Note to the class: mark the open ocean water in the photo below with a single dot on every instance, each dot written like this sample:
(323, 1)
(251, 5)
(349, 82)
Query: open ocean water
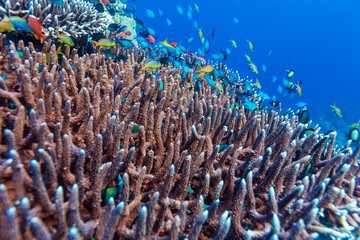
(319, 40)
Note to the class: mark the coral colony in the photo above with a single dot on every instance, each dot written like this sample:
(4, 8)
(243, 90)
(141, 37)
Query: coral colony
(128, 147)
(96, 148)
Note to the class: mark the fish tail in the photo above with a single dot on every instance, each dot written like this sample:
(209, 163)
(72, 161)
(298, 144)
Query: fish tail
(58, 51)
(42, 38)
(96, 43)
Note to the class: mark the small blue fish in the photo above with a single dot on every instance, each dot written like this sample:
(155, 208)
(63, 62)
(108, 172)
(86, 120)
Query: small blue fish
(210, 82)
(233, 77)
(215, 57)
(142, 41)
(236, 20)
(263, 68)
(249, 104)
(151, 31)
(274, 78)
(206, 46)
(196, 25)
(189, 14)
(190, 39)
(248, 86)
(301, 104)
(177, 64)
(161, 13)
(149, 13)
(179, 10)
(168, 22)
(125, 43)
(228, 51)
(280, 89)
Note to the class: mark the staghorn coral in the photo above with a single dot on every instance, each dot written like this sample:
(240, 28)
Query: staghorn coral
(186, 165)
(76, 17)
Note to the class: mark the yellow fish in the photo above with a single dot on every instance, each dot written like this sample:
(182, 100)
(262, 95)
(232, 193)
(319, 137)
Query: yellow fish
(336, 110)
(6, 25)
(247, 58)
(233, 43)
(151, 65)
(58, 52)
(207, 69)
(253, 68)
(298, 88)
(65, 39)
(251, 47)
(354, 125)
(257, 84)
(201, 35)
(219, 87)
(104, 42)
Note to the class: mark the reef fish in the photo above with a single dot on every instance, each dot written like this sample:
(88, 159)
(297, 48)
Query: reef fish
(179, 10)
(106, 2)
(196, 9)
(257, 84)
(301, 104)
(65, 39)
(20, 24)
(233, 43)
(354, 125)
(104, 42)
(251, 47)
(253, 68)
(249, 104)
(168, 21)
(36, 28)
(236, 20)
(6, 25)
(207, 69)
(354, 134)
(303, 115)
(149, 13)
(336, 110)
(153, 64)
(125, 43)
(151, 39)
(170, 49)
(298, 88)
(247, 58)
(290, 73)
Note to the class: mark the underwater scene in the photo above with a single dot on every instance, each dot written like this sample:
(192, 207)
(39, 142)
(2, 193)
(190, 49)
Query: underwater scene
(179, 119)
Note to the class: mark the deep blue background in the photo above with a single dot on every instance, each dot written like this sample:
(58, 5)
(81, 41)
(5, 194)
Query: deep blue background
(320, 40)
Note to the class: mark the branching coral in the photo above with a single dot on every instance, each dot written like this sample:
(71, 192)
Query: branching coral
(76, 17)
(184, 163)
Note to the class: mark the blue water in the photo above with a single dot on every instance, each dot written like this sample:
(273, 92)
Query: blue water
(319, 40)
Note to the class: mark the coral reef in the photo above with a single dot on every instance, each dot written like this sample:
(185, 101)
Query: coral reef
(183, 163)
(76, 17)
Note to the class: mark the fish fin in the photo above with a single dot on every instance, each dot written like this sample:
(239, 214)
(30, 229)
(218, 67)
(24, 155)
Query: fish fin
(36, 36)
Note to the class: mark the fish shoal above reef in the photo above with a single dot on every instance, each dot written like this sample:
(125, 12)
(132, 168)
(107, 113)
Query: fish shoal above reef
(90, 147)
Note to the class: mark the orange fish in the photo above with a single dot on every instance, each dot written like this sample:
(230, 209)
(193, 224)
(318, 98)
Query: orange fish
(36, 28)
(151, 39)
(127, 32)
